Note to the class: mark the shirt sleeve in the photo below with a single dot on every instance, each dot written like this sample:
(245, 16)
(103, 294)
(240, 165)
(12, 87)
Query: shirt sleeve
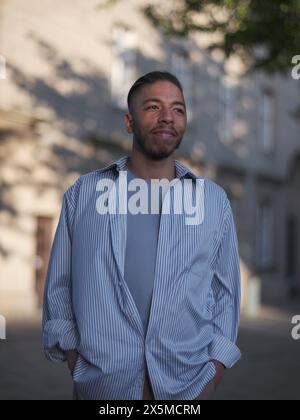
(59, 325)
(226, 292)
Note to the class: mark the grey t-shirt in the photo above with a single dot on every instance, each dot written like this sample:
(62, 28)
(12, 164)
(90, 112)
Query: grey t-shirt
(140, 256)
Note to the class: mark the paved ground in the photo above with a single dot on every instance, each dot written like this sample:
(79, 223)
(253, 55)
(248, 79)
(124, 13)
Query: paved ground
(270, 368)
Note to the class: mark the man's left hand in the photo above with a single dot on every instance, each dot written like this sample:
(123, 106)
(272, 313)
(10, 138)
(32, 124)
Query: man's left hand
(220, 370)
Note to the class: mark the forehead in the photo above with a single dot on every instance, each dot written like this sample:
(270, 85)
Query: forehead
(163, 90)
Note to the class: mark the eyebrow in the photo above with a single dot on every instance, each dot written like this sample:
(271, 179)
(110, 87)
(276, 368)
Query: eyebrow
(159, 100)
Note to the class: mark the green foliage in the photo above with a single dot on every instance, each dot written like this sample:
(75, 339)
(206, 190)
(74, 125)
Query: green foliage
(266, 34)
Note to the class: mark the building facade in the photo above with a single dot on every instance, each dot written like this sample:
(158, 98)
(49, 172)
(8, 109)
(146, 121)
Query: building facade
(68, 68)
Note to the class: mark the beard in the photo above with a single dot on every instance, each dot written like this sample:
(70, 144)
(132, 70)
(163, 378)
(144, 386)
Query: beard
(153, 150)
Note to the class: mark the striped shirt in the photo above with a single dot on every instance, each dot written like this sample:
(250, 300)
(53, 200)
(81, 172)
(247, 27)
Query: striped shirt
(195, 306)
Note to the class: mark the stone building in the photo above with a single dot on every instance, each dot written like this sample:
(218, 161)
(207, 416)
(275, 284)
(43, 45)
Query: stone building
(68, 66)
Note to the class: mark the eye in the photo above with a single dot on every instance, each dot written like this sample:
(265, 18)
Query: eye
(152, 107)
(180, 110)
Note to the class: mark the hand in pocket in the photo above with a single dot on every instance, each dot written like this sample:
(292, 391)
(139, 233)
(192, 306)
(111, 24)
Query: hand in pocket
(72, 356)
(207, 391)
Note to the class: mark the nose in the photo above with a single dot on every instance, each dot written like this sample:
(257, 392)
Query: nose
(166, 116)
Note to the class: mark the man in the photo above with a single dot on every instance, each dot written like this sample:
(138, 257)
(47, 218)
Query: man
(142, 304)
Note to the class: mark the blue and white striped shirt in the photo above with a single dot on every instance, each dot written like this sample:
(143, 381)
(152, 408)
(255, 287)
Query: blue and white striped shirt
(195, 307)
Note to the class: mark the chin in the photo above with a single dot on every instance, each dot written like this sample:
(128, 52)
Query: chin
(161, 154)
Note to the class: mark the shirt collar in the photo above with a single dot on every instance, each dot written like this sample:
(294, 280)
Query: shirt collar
(121, 165)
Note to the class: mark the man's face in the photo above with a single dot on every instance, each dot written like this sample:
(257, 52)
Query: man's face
(157, 119)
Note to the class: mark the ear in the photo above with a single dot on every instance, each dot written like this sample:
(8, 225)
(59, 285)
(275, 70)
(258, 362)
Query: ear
(128, 122)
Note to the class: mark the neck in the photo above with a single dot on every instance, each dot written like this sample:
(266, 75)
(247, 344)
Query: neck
(146, 168)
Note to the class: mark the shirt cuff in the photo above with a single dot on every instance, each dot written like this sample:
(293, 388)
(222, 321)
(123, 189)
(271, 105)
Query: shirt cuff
(58, 336)
(224, 350)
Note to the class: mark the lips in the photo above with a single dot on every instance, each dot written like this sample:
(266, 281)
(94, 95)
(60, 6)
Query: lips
(165, 133)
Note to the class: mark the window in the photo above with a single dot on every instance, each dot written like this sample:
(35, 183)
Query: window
(265, 235)
(227, 100)
(291, 253)
(123, 72)
(267, 122)
(181, 67)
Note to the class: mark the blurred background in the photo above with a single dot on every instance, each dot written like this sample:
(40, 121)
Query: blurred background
(65, 69)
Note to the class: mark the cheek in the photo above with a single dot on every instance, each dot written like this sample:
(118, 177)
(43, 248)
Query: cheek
(149, 124)
(145, 122)
(181, 125)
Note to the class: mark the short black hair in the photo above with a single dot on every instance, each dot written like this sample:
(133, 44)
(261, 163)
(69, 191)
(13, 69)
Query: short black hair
(149, 79)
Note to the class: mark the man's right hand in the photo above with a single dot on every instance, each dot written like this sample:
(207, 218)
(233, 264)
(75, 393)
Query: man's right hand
(71, 356)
